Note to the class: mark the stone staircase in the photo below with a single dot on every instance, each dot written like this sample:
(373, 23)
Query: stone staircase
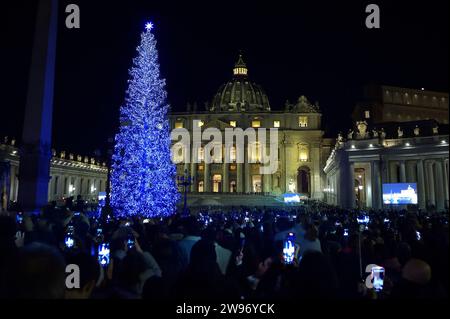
(228, 200)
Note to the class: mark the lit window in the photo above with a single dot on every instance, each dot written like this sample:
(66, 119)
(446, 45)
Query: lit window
(200, 167)
(217, 181)
(217, 158)
(233, 187)
(303, 121)
(303, 153)
(233, 123)
(178, 154)
(233, 154)
(201, 154)
(256, 123)
(240, 71)
(201, 186)
(232, 167)
(178, 124)
(276, 124)
(255, 152)
(367, 114)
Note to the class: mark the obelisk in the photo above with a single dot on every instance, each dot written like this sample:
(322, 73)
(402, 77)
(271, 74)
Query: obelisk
(35, 155)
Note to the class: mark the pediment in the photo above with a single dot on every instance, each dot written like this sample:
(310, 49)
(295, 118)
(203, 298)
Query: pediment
(221, 125)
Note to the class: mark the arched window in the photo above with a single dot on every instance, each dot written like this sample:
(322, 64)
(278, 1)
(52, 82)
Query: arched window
(201, 154)
(233, 187)
(255, 152)
(303, 121)
(304, 181)
(233, 154)
(178, 153)
(217, 183)
(303, 152)
(217, 153)
(201, 186)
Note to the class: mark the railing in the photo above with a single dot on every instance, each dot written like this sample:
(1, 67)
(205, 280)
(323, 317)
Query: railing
(234, 193)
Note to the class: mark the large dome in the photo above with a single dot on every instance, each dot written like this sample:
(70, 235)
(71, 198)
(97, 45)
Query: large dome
(240, 94)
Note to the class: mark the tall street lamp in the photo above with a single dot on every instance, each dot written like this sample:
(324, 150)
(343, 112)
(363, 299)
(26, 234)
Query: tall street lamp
(186, 180)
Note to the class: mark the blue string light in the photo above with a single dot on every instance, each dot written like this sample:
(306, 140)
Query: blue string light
(143, 175)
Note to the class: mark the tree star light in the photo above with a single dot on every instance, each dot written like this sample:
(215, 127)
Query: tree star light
(149, 26)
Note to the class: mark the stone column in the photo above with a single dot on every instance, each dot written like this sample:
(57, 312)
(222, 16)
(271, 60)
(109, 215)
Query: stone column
(194, 177)
(37, 129)
(59, 191)
(351, 185)
(402, 172)
(194, 167)
(444, 163)
(440, 199)
(283, 168)
(13, 187)
(248, 185)
(410, 172)
(384, 171)
(376, 185)
(430, 177)
(69, 182)
(393, 176)
(267, 183)
(186, 168)
(225, 178)
(421, 187)
(49, 189)
(206, 178)
(239, 177)
(78, 189)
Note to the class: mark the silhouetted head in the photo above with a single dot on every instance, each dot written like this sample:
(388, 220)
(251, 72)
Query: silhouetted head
(89, 274)
(417, 271)
(39, 273)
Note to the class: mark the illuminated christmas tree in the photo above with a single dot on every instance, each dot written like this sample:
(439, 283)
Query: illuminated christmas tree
(143, 175)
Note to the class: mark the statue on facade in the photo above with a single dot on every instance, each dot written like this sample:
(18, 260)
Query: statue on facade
(374, 133)
(399, 132)
(291, 186)
(382, 133)
(350, 134)
(13, 142)
(340, 138)
(436, 129)
(287, 106)
(416, 131)
(362, 129)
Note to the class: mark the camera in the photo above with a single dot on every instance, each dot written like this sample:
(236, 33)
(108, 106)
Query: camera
(19, 218)
(69, 242)
(104, 254)
(378, 278)
(289, 249)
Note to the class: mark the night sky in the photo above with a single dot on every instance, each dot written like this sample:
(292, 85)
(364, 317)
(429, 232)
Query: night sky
(320, 50)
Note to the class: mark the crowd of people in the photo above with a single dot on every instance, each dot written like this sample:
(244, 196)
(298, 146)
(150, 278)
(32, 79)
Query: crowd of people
(225, 255)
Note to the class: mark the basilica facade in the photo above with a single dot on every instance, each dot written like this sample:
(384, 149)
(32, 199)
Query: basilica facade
(241, 103)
